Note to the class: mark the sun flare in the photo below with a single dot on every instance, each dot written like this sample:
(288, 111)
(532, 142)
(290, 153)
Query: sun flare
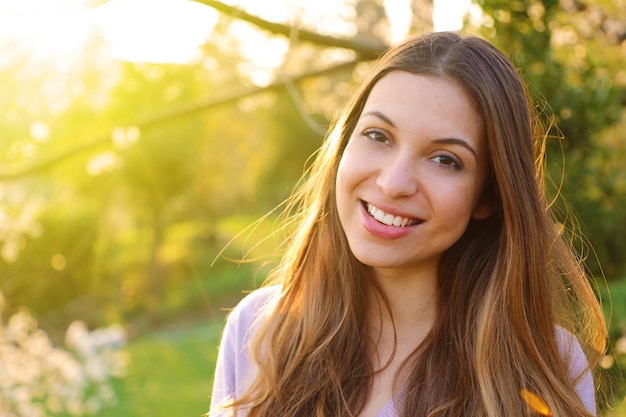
(160, 31)
(172, 31)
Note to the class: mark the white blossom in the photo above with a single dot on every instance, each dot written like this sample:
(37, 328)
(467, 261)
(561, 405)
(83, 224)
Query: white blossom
(38, 379)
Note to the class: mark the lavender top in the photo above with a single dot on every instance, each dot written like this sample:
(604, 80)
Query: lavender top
(234, 371)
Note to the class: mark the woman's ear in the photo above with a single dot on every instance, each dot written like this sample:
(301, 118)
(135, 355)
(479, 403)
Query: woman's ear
(483, 210)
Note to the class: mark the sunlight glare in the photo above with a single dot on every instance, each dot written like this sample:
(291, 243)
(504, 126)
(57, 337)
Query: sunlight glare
(261, 53)
(157, 31)
(399, 13)
(48, 26)
(449, 14)
(160, 31)
(173, 31)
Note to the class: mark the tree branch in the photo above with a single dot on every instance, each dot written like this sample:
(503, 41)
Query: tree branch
(169, 116)
(365, 48)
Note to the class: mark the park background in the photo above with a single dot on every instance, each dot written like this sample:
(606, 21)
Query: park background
(141, 140)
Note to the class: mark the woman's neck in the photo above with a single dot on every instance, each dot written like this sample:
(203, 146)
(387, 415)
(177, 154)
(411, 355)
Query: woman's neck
(412, 299)
(397, 330)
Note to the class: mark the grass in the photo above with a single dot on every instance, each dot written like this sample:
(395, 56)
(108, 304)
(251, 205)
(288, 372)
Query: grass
(170, 374)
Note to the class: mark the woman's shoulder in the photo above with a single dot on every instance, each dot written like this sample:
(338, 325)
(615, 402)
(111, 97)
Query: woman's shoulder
(253, 305)
(244, 319)
(578, 367)
(571, 350)
(234, 367)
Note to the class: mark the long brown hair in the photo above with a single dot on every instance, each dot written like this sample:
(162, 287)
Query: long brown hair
(504, 290)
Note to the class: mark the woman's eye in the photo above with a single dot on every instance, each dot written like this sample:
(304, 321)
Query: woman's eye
(375, 135)
(447, 161)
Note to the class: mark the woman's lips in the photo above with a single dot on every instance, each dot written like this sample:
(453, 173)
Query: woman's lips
(389, 219)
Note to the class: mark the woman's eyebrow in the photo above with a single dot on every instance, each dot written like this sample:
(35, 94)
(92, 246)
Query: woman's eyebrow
(379, 115)
(445, 141)
(460, 142)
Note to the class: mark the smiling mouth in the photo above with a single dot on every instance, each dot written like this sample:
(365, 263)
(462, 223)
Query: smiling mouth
(389, 219)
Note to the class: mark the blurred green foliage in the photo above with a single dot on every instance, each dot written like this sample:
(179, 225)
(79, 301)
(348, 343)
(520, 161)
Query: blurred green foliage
(572, 54)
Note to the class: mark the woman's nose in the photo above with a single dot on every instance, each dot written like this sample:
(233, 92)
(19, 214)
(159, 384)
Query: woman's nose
(398, 177)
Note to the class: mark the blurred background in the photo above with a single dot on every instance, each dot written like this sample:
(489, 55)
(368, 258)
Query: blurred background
(140, 140)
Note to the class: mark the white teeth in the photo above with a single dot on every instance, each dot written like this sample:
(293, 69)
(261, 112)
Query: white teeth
(386, 218)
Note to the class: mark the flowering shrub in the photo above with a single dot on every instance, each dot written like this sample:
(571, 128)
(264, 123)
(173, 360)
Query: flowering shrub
(18, 213)
(38, 379)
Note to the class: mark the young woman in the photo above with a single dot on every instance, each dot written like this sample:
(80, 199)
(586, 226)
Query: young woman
(425, 275)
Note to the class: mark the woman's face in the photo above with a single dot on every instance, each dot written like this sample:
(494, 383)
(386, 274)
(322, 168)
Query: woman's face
(412, 174)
